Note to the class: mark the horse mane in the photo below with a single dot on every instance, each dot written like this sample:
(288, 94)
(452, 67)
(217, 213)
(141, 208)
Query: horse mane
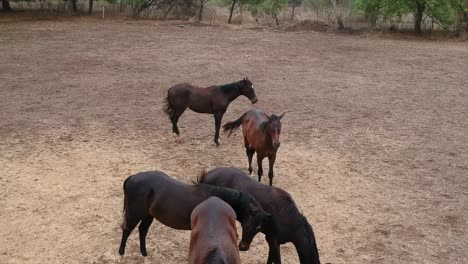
(236, 199)
(264, 124)
(227, 88)
(308, 229)
(290, 206)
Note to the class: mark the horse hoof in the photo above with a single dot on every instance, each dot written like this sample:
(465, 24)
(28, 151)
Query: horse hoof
(121, 252)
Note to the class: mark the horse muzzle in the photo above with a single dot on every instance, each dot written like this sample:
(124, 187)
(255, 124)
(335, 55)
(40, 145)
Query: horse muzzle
(276, 145)
(244, 246)
(254, 100)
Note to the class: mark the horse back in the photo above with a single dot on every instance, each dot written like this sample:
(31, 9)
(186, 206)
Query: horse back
(198, 99)
(214, 237)
(166, 199)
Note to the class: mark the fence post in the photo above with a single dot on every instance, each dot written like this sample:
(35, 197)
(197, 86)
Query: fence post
(103, 12)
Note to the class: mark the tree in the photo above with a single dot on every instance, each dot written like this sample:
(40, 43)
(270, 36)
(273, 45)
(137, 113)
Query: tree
(294, 4)
(234, 2)
(90, 9)
(442, 12)
(200, 13)
(6, 5)
(337, 8)
(74, 6)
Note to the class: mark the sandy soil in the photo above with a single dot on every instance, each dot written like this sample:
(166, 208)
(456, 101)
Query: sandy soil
(374, 144)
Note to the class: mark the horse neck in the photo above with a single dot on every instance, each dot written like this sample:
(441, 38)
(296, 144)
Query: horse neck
(231, 197)
(231, 91)
(306, 247)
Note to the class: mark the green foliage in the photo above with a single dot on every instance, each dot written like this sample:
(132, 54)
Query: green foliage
(270, 7)
(443, 11)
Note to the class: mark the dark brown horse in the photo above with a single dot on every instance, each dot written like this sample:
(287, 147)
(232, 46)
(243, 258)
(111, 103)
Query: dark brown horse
(214, 236)
(210, 100)
(149, 195)
(288, 224)
(261, 135)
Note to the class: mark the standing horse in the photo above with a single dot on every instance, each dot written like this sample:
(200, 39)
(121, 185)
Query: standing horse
(211, 100)
(288, 224)
(214, 236)
(261, 135)
(149, 195)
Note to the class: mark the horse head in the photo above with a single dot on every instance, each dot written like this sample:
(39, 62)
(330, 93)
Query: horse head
(253, 221)
(247, 90)
(273, 125)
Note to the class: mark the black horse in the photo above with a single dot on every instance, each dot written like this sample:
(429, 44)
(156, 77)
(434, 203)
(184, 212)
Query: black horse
(210, 100)
(149, 195)
(287, 225)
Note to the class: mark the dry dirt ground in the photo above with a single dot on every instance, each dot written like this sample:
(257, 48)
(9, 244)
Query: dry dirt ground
(374, 142)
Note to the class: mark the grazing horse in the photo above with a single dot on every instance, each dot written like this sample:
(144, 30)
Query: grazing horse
(288, 224)
(261, 135)
(210, 100)
(149, 195)
(214, 236)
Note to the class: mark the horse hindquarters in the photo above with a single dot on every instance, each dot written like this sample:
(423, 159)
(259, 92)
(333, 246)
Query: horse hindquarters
(134, 213)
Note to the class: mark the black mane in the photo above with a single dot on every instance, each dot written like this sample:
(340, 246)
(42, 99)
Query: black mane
(228, 88)
(264, 124)
(237, 200)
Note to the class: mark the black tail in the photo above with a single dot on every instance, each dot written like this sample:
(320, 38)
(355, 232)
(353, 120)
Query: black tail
(168, 107)
(231, 126)
(124, 221)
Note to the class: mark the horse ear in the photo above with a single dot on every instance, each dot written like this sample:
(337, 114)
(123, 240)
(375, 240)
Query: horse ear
(281, 116)
(267, 116)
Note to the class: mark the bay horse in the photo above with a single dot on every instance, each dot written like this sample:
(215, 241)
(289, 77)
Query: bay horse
(214, 235)
(210, 100)
(153, 194)
(287, 225)
(261, 134)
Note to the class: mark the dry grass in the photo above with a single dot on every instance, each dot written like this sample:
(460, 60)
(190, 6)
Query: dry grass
(374, 145)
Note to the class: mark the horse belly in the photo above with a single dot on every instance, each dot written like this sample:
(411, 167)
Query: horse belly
(176, 217)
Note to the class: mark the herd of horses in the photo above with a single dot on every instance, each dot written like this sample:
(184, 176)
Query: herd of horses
(210, 205)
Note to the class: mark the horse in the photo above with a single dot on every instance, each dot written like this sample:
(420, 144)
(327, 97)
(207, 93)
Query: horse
(210, 100)
(153, 194)
(288, 224)
(214, 236)
(261, 134)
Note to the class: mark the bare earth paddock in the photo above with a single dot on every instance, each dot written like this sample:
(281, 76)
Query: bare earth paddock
(374, 145)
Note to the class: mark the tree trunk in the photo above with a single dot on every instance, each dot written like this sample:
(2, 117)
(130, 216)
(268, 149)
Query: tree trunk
(90, 10)
(292, 13)
(200, 13)
(232, 10)
(337, 10)
(6, 5)
(74, 6)
(420, 7)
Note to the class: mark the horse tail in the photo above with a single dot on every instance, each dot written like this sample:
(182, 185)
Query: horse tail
(168, 107)
(201, 177)
(231, 126)
(124, 213)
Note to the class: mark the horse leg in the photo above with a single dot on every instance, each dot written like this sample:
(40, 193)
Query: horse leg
(143, 230)
(130, 222)
(274, 251)
(260, 169)
(175, 118)
(271, 161)
(250, 152)
(218, 117)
